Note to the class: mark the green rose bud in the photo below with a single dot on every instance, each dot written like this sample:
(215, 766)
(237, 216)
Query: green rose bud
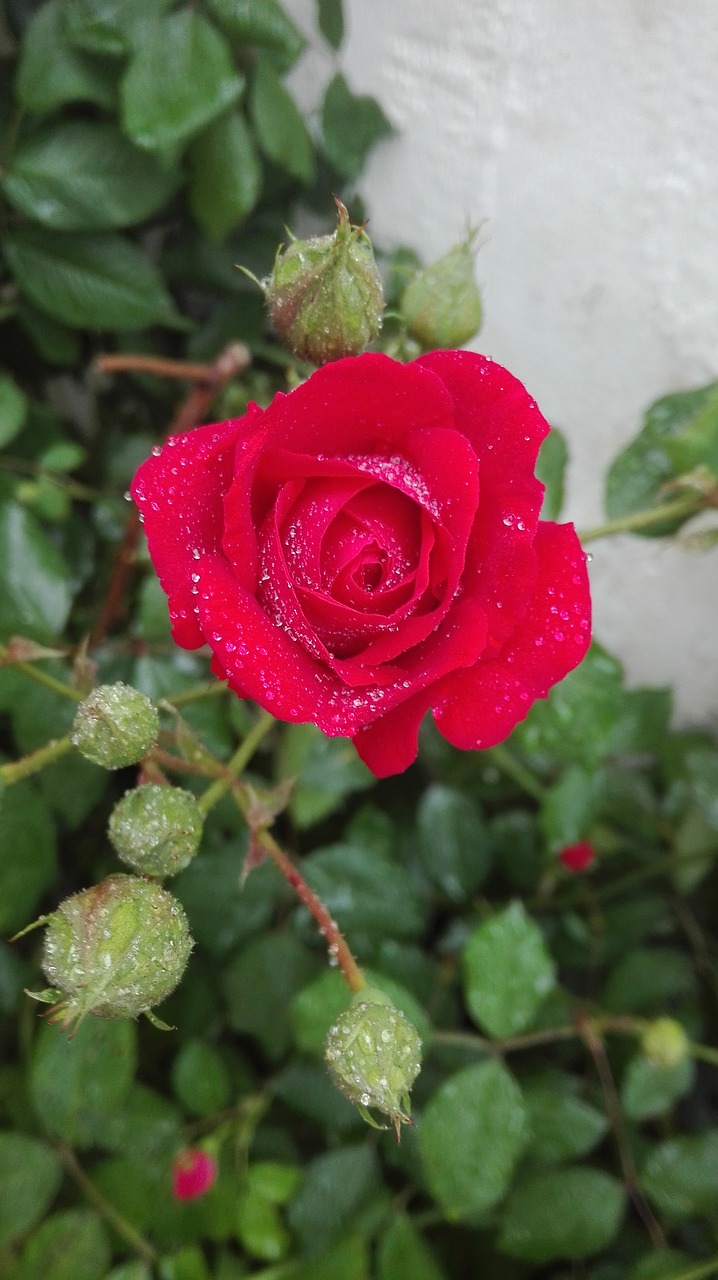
(374, 1055)
(324, 296)
(156, 829)
(665, 1042)
(115, 725)
(441, 307)
(114, 950)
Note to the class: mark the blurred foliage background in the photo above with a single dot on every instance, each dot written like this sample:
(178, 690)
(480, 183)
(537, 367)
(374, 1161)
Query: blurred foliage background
(147, 148)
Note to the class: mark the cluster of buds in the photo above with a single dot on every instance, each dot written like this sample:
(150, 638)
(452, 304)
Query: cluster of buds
(374, 1056)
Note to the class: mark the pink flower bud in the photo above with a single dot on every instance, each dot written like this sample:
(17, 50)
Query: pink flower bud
(193, 1173)
(578, 857)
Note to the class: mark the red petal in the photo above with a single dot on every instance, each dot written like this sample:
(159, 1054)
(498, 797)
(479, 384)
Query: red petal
(479, 707)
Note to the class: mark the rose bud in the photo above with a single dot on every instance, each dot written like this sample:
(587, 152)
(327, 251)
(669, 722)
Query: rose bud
(156, 829)
(441, 307)
(115, 725)
(193, 1174)
(665, 1042)
(324, 296)
(374, 1056)
(115, 950)
(578, 857)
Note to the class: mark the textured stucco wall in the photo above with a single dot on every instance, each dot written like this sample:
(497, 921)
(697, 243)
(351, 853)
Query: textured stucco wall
(584, 134)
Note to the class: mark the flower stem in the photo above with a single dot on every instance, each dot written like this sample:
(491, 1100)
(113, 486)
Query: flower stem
(237, 764)
(684, 506)
(338, 947)
(18, 769)
(111, 1215)
(522, 776)
(48, 681)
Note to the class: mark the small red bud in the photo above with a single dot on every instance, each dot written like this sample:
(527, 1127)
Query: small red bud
(193, 1173)
(578, 857)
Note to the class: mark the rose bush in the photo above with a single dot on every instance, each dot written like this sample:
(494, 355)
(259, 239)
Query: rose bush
(369, 546)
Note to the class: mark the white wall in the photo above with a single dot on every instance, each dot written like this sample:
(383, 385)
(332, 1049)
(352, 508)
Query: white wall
(585, 133)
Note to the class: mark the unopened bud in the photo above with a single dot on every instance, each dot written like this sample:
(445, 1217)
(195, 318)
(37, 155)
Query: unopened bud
(115, 725)
(324, 296)
(374, 1055)
(156, 829)
(441, 307)
(114, 950)
(665, 1042)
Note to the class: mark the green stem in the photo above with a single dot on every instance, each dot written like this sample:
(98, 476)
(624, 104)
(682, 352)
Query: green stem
(142, 1247)
(517, 771)
(197, 693)
(686, 505)
(237, 764)
(49, 682)
(705, 1053)
(17, 769)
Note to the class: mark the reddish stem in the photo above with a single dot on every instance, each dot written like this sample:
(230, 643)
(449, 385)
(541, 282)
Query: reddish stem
(210, 379)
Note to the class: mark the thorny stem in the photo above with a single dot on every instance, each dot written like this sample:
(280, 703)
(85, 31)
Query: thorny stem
(157, 365)
(338, 947)
(232, 361)
(111, 1215)
(43, 678)
(687, 505)
(18, 769)
(631, 1181)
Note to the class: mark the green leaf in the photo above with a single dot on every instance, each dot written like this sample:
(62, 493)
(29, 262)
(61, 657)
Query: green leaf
(111, 27)
(259, 984)
(89, 281)
(76, 1084)
(454, 844)
(470, 1137)
(317, 1007)
(281, 131)
(221, 913)
(403, 1254)
(55, 343)
(336, 1188)
(635, 480)
(68, 1245)
(371, 897)
(349, 1259)
(561, 1213)
(13, 409)
(516, 847)
(571, 806)
(77, 176)
(507, 972)
(667, 1264)
(550, 470)
(260, 22)
(330, 14)
(561, 1126)
(351, 127)
(697, 444)
(200, 1079)
(51, 72)
(276, 1182)
(681, 1176)
(225, 175)
(27, 865)
(649, 1089)
(326, 771)
(30, 1175)
(180, 78)
(260, 1228)
(146, 1125)
(34, 586)
(576, 723)
(647, 980)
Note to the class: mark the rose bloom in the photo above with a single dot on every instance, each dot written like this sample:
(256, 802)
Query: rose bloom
(193, 1173)
(369, 547)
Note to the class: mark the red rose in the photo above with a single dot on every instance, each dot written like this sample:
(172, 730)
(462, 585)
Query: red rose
(368, 547)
